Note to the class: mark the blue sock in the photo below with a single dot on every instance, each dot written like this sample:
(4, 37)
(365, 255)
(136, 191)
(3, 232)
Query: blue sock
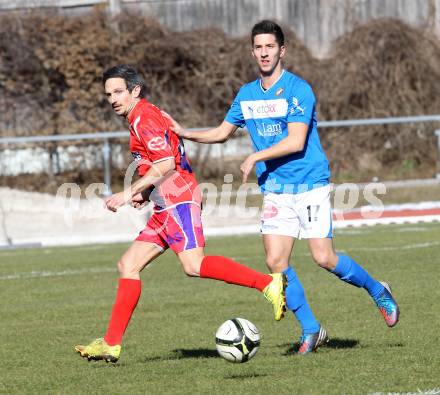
(296, 301)
(352, 273)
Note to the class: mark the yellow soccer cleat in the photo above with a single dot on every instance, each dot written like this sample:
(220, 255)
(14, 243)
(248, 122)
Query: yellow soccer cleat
(275, 294)
(99, 349)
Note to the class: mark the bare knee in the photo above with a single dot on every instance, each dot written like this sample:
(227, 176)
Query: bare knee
(325, 258)
(126, 268)
(191, 264)
(276, 263)
(191, 269)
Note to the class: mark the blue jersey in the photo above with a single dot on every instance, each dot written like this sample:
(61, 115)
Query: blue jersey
(266, 113)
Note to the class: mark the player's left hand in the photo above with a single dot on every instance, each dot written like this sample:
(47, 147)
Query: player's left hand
(138, 201)
(174, 125)
(115, 201)
(246, 167)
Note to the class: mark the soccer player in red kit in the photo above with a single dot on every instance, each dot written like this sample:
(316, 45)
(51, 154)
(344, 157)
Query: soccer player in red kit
(166, 178)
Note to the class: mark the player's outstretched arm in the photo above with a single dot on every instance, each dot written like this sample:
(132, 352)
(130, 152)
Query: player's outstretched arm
(208, 136)
(153, 176)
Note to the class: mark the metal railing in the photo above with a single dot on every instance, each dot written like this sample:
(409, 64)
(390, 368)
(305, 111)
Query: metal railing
(106, 136)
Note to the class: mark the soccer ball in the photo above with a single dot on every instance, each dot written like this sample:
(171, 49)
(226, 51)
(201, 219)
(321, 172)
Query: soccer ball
(237, 340)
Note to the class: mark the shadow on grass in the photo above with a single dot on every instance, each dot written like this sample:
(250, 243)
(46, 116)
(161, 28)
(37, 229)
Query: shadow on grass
(182, 353)
(334, 343)
(395, 345)
(244, 376)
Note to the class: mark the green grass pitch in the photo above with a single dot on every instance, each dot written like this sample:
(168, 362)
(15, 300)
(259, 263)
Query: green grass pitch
(54, 298)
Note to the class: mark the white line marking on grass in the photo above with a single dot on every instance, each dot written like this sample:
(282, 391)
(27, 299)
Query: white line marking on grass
(413, 229)
(391, 248)
(93, 247)
(41, 274)
(352, 231)
(366, 231)
(395, 248)
(33, 274)
(435, 391)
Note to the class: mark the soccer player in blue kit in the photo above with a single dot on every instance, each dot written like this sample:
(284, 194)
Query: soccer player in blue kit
(279, 112)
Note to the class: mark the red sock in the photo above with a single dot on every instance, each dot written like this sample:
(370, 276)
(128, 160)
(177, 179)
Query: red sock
(225, 269)
(127, 297)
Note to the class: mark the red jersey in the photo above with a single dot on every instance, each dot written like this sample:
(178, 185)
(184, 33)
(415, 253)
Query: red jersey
(152, 141)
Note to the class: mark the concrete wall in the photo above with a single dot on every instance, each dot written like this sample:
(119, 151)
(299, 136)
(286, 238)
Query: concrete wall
(317, 22)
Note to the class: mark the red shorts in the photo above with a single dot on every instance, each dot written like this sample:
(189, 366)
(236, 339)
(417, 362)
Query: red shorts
(179, 228)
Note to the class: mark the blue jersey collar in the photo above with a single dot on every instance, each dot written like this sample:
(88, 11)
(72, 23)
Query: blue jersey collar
(268, 89)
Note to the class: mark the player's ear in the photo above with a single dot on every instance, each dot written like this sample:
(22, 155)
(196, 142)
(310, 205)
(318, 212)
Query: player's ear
(136, 91)
(282, 51)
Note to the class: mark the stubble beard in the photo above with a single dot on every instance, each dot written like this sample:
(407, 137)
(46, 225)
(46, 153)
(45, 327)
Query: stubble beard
(129, 108)
(268, 73)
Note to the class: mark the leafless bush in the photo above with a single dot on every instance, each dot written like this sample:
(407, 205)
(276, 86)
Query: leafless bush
(381, 69)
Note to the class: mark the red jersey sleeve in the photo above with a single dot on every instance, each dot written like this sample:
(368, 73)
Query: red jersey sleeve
(153, 132)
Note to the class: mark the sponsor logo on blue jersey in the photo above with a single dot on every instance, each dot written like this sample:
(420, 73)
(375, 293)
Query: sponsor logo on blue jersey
(296, 106)
(269, 129)
(258, 109)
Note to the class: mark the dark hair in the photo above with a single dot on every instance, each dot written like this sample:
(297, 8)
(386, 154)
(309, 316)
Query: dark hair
(129, 75)
(268, 27)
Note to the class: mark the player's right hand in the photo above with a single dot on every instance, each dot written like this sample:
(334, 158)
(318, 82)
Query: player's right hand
(116, 200)
(246, 167)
